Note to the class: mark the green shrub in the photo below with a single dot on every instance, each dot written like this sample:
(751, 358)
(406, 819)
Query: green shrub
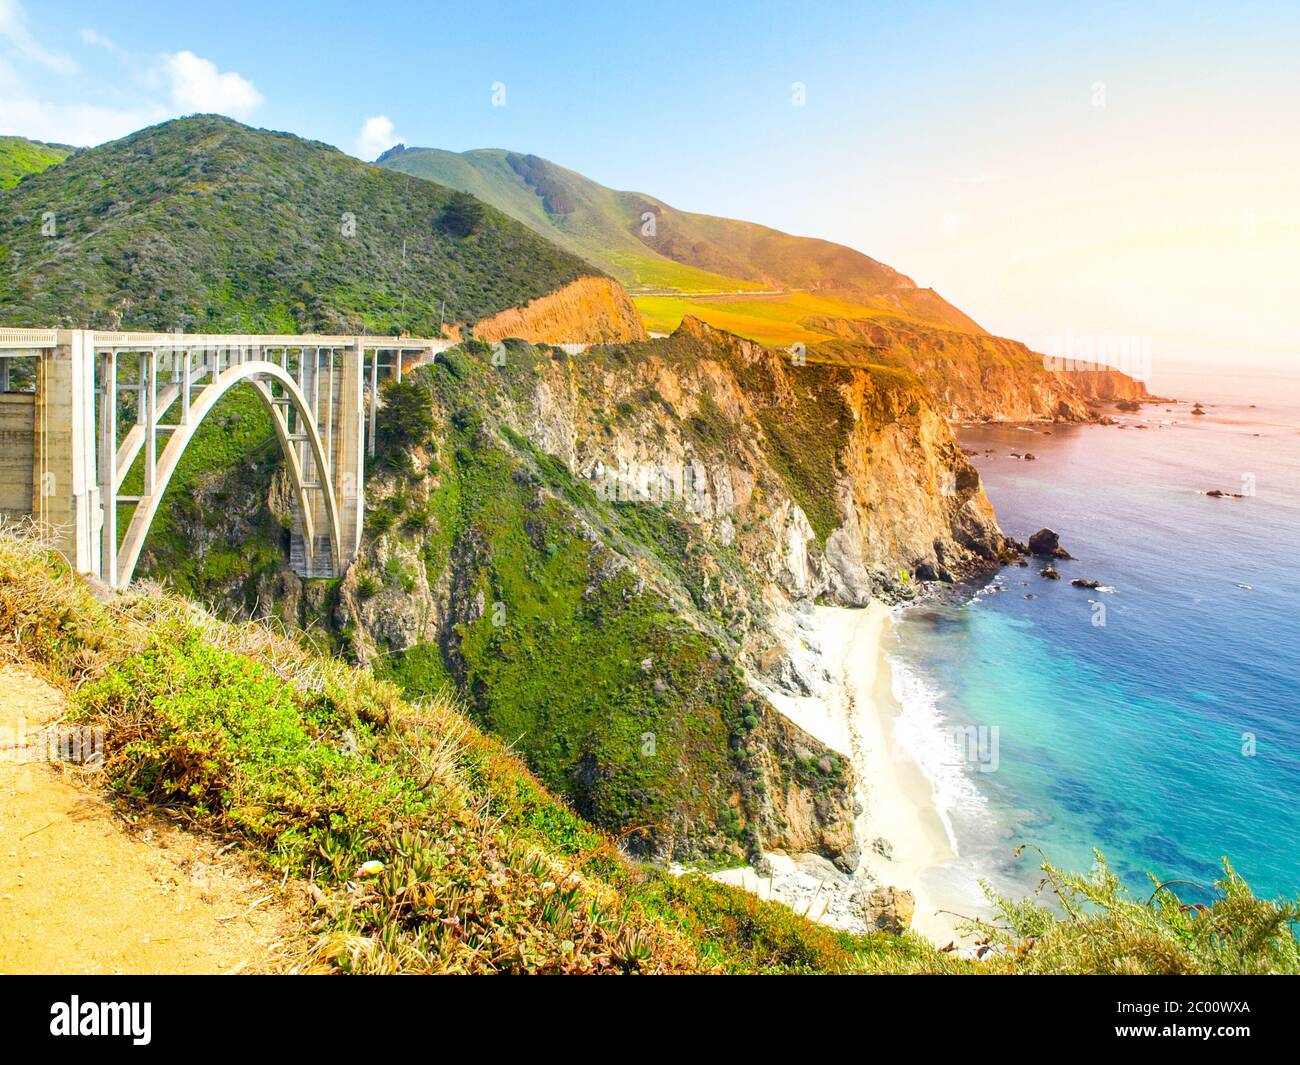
(188, 722)
(462, 214)
(1097, 927)
(405, 422)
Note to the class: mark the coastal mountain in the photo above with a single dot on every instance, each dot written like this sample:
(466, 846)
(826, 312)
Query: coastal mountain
(774, 288)
(650, 246)
(608, 547)
(615, 563)
(20, 157)
(601, 553)
(203, 224)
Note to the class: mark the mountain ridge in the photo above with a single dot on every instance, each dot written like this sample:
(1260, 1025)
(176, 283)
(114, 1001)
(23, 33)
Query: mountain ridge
(206, 224)
(633, 235)
(774, 288)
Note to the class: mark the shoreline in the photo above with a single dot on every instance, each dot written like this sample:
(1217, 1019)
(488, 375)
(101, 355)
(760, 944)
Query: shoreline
(900, 804)
(904, 838)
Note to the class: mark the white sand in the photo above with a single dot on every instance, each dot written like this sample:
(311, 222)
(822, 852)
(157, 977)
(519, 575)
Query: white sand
(837, 653)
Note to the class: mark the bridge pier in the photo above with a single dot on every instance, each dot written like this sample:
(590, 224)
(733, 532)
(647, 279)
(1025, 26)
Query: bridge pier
(65, 483)
(333, 381)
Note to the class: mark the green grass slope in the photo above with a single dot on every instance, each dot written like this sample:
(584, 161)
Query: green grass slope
(687, 251)
(20, 157)
(206, 224)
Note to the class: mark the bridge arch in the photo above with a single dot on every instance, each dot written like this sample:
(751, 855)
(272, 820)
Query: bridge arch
(262, 375)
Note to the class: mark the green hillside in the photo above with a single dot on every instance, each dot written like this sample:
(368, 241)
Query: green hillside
(206, 224)
(20, 157)
(686, 252)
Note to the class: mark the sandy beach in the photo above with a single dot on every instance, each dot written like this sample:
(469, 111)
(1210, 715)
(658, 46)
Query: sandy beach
(899, 801)
(839, 654)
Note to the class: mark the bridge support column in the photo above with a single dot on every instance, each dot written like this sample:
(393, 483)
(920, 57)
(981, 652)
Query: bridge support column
(349, 452)
(108, 468)
(334, 385)
(65, 489)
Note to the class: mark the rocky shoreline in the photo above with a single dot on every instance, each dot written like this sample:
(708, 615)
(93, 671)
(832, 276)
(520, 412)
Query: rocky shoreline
(844, 698)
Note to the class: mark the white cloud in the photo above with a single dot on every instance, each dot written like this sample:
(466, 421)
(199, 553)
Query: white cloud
(377, 136)
(13, 31)
(192, 83)
(76, 112)
(197, 85)
(98, 40)
(77, 124)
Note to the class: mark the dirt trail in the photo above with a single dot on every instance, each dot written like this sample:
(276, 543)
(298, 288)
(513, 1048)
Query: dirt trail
(82, 890)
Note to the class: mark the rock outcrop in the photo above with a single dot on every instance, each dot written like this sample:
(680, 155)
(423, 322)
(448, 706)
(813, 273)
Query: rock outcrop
(973, 376)
(1104, 385)
(888, 909)
(806, 804)
(1045, 542)
(591, 310)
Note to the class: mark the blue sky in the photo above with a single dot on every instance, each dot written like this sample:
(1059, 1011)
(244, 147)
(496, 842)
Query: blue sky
(1074, 169)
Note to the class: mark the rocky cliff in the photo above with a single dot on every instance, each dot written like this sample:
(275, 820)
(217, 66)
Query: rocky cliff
(596, 552)
(568, 507)
(593, 310)
(974, 376)
(1104, 385)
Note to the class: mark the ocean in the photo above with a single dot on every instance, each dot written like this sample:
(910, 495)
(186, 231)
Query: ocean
(1157, 719)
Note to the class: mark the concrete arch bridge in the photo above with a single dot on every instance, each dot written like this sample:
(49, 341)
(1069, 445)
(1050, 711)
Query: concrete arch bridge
(65, 456)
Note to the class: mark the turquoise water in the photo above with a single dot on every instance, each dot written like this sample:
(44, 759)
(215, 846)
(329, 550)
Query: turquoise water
(1134, 735)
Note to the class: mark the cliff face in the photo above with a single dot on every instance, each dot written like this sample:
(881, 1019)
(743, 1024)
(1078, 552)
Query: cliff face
(597, 551)
(828, 480)
(702, 479)
(1108, 386)
(976, 377)
(593, 310)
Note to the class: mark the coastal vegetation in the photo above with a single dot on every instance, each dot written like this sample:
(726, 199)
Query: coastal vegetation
(427, 846)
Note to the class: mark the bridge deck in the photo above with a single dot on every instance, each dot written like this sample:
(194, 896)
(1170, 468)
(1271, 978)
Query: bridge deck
(29, 339)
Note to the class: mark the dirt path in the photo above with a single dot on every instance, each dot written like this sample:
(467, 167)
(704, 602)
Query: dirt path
(82, 890)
